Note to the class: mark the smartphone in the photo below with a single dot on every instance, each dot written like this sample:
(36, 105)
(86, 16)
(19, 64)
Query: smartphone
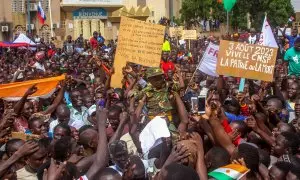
(201, 104)
(194, 102)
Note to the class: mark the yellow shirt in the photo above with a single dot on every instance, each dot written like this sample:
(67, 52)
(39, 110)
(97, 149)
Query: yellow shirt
(166, 46)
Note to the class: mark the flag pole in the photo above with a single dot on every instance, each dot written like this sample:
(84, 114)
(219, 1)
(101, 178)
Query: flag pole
(28, 16)
(227, 26)
(51, 24)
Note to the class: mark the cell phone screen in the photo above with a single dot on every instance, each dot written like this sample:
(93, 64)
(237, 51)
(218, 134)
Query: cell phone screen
(201, 104)
(194, 102)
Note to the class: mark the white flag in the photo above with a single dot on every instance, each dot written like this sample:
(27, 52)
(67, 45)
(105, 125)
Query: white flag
(267, 36)
(208, 64)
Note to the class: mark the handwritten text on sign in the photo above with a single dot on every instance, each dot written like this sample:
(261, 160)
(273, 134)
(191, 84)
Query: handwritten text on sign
(138, 42)
(175, 31)
(189, 34)
(247, 61)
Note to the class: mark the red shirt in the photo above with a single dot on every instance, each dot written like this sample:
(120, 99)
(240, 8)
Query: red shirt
(228, 130)
(167, 66)
(94, 43)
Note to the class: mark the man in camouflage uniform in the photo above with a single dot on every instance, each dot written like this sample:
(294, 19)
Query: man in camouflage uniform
(157, 93)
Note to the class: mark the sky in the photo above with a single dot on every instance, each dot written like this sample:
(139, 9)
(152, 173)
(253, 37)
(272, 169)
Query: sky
(296, 4)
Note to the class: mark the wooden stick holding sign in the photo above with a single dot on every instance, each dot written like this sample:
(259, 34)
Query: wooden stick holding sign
(242, 85)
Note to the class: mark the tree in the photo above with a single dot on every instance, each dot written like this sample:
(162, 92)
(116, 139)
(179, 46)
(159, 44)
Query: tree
(194, 9)
(278, 12)
(218, 12)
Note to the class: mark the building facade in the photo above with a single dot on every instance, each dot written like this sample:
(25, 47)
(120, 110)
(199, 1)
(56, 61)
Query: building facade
(75, 17)
(296, 5)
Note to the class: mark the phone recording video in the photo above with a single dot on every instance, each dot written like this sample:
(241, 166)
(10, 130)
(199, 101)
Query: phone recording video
(194, 102)
(201, 104)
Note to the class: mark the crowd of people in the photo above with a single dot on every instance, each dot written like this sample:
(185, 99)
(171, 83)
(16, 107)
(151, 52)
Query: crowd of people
(150, 128)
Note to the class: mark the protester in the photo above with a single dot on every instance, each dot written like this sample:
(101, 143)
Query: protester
(171, 122)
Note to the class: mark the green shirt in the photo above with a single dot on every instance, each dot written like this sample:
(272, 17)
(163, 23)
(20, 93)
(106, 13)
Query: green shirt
(293, 57)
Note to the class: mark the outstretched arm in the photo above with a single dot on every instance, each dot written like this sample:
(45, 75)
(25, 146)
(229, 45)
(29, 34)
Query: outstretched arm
(221, 135)
(184, 119)
(20, 104)
(26, 149)
(123, 121)
(101, 158)
(133, 125)
(56, 101)
(200, 166)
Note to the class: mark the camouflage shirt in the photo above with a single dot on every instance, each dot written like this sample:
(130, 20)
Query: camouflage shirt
(157, 100)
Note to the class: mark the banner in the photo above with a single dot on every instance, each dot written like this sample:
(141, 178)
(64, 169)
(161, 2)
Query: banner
(175, 31)
(15, 91)
(138, 42)
(246, 60)
(208, 64)
(189, 34)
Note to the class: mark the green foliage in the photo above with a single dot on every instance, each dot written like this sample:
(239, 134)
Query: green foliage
(192, 9)
(278, 11)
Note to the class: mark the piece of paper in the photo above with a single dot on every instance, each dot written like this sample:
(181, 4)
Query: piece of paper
(138, 42)
(246, 60)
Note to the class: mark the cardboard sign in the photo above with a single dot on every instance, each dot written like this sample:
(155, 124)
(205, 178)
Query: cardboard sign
(138, 42)
(246, 60)
(189, 34)
(175, 31)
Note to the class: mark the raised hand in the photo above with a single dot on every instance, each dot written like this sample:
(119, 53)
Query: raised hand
(197, 140)
(124, 118)
(8, 120)
(55, 171)
(101, 115)
(179, 152)
(28, 148)
(33, 89)
(234, 135)
(255, 98)
(251, 123)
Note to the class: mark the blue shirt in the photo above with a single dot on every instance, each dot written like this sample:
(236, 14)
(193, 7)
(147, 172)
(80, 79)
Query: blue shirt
(232, 117)
(291, 39)
(101, 39)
